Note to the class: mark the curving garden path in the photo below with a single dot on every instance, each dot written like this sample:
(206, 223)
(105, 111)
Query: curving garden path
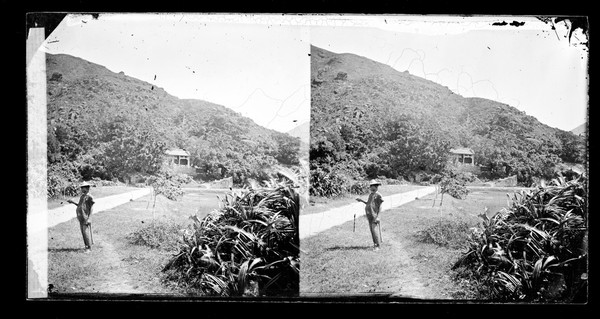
(313, 224)
(67, 212)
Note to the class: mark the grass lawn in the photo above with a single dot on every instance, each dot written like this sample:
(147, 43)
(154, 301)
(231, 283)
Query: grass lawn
(341, 262)
(320, 204)
(97, 192)
(115, 265)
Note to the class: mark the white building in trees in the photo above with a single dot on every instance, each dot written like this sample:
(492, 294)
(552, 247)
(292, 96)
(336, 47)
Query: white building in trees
(463, 155)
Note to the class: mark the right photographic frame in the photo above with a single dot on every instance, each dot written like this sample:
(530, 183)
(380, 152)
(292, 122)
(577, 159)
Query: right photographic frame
(448, 159)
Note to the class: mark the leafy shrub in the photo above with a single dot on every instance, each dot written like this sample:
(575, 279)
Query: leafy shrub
(359, 188)
(453, 187)
(466, 177)
(536, 249)
(62, 180)
(160, 233)
(102, 182)
(332, 181)
(183, 179)
(168, 184)
(391, 181)
(326, 184)
(453, 182)
(250, 246)
(446, 232)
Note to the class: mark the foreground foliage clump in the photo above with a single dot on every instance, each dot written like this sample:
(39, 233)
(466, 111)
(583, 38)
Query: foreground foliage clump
(334, 182)
(250, 246)
(168, 184)
(61, 181)
(160, 233)
(446, 232)
(534, 250)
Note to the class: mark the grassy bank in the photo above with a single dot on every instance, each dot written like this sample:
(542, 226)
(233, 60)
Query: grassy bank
(341, 262)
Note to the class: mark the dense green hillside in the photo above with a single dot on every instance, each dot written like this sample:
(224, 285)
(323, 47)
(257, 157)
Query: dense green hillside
(109, 125)
(369, 120)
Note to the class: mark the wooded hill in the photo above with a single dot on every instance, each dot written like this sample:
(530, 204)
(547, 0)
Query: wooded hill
(370, 120)
(109, 125)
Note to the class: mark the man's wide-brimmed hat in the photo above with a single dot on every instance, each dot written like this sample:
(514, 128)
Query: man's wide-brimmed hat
(374, 182)
(85, 184)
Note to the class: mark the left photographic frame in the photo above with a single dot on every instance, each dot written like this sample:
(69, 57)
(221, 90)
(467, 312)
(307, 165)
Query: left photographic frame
(191, 131)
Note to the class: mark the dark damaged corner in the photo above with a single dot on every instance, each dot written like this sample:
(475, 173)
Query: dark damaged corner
(575, 23)
(48, 21)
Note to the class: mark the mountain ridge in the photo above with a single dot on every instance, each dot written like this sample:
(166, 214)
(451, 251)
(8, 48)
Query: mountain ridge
(382, 70)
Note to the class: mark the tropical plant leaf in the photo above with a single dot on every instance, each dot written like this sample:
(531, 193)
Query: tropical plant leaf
(252, 237)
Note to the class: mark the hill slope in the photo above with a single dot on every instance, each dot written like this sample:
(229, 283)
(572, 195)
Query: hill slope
(106, 124)
(579, 130)
(368, 120)
(301, 131)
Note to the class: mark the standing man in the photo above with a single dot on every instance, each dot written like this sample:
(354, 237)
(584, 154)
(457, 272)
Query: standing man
(84, 211)
(372, 210)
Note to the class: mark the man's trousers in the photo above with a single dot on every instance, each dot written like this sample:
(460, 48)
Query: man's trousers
(85, 231)
(374, 230)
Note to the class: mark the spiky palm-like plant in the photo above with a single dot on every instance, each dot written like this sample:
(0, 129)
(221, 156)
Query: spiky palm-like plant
(250, 246)
(536, 249)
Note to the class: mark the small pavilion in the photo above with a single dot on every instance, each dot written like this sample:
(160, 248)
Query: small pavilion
(178, 156)
(463, 155)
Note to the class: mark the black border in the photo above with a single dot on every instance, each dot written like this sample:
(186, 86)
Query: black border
(207, 308)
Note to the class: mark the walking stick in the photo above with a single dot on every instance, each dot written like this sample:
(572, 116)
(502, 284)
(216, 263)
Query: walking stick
(354, 228)
(91, 234)
(380, 237)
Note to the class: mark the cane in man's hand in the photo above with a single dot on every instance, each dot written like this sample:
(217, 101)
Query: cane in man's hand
(92, 233)
(380, 237)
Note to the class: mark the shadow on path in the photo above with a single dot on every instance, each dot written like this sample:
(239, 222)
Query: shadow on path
(349, 248)
(58, 250)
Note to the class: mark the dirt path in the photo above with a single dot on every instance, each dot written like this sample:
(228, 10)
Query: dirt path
(114, 277)
(409, 281)
(338, 258)
(40, 220)
(116, 265)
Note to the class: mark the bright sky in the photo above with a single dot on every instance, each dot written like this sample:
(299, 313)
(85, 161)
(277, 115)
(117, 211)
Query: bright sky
(259, 66)
(258, 69)
(530, 67)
